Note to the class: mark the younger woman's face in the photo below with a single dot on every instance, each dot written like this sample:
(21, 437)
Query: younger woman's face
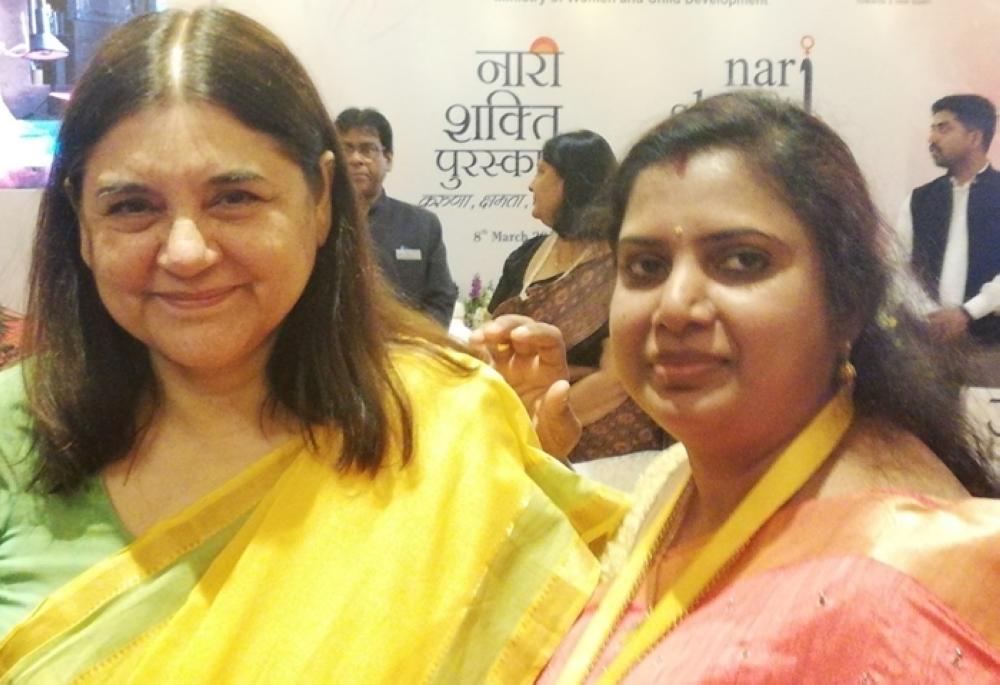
(719, 324)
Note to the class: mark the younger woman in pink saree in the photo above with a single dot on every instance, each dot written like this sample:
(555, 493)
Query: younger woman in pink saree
(825, 518)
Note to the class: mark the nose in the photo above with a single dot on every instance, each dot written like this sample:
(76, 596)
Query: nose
(186, 252)
(685, 301)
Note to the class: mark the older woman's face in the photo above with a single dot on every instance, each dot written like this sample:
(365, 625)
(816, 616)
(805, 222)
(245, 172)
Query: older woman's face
(201, 234)
(546, 193)
(719, 326)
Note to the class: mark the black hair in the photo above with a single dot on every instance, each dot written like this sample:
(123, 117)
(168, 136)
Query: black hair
(367, 118)
(974, 111)
(585, 163)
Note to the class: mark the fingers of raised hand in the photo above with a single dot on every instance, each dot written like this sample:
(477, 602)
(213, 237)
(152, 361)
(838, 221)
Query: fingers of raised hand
(512, 336)
(558, 428)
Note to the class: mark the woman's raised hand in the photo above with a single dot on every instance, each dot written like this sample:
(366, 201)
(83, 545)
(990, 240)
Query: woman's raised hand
(531, 356)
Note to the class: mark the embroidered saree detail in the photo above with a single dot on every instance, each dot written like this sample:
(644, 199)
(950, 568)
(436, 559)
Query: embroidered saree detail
(467, 565)
(576, 302)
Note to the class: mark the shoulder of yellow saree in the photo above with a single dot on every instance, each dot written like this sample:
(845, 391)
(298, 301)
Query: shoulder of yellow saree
(461, 567)
(595, 510)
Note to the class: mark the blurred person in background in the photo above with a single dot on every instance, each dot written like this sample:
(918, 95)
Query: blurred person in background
(565, 278)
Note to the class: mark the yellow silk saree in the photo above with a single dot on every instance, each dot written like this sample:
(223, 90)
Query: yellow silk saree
(465, 566)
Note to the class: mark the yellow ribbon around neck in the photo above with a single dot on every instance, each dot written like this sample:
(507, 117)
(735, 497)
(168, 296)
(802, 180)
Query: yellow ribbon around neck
(796, 464)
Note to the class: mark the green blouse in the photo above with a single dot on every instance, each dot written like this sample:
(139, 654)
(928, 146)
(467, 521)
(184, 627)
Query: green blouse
(45, 540)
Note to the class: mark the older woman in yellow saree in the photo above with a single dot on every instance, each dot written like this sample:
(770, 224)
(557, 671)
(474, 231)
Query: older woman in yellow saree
(230, 455)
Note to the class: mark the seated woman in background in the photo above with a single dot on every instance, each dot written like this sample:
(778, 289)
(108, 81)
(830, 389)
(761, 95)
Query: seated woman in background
(815, 524)
(565, 278)
(231, 456)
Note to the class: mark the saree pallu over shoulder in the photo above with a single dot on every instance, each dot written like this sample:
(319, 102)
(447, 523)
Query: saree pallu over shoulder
(99, 613)
(465, 566)
(875, 586)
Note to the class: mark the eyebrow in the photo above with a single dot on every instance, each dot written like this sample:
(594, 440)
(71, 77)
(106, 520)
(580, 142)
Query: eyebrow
(731, 233)
(715, 237)
(120, 188)
(235, 176)
(227, 178)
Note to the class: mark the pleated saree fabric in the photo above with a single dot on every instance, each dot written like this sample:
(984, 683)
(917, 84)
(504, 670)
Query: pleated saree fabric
(465, 566)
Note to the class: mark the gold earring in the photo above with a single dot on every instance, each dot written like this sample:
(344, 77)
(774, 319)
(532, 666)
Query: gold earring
(678, 231)
(846, 372)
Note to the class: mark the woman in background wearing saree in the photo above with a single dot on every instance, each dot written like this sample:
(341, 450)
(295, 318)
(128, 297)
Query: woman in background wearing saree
(565, 278)
(10, 336)
(231, 456)
(815, 523)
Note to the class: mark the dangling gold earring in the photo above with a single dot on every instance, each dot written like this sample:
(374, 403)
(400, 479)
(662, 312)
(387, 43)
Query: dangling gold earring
(846, 372)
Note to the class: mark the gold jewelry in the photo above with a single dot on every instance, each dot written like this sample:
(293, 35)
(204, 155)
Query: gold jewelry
(678, 231)
(846, 372)
(667, 538)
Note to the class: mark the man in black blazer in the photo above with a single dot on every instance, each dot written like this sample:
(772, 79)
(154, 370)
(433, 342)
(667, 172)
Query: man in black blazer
(952, 227)
(408, 242)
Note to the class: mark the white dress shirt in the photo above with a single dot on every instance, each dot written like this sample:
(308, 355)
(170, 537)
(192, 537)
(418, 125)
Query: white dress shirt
(955, 267)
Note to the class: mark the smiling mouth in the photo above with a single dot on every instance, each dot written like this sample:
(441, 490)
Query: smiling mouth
(196, 300)
(686, 370)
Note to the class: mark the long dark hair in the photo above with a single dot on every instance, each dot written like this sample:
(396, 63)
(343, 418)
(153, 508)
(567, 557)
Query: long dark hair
(585, 163)
(330, 363)
(902, 377)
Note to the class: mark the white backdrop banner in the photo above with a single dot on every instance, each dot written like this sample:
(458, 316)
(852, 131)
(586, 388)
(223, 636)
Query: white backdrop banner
(473, 88)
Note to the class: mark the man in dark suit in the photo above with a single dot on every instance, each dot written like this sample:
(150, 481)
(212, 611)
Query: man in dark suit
(952, 228)
(407, 238)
